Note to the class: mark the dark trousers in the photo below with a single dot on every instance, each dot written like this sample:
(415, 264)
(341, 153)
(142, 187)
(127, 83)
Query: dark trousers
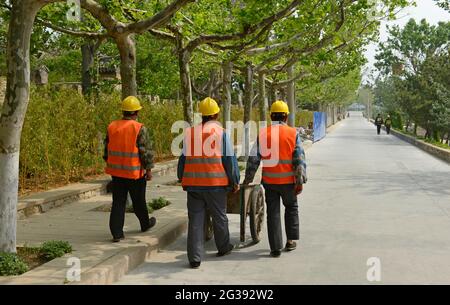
(216, 203)
(274, 193)
(388, 129)
(120, 189)
(378, 129)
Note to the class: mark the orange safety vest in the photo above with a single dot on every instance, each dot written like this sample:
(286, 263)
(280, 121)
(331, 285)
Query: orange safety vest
(277, 144)
(203, 150)
(123, 154)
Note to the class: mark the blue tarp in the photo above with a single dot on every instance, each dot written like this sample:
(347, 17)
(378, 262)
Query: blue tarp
(320, 126)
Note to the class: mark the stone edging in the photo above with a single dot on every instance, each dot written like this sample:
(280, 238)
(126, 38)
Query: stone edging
(114, 268)
(438, 152)
(42, 202)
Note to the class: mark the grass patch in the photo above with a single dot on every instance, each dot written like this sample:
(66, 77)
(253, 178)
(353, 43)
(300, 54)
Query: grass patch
(12, 264)
(427, 140)
(55, 248)
(153, 205)
(28, 258)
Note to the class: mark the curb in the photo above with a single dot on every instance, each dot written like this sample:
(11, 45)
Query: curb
(440, 153)
(42, 202)
(110, 269)
(114, 268)
(437, 152)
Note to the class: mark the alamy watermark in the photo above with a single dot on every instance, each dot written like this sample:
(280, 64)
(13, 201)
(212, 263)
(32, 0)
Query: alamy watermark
(374, 271)
(73, 274)
(74, 11)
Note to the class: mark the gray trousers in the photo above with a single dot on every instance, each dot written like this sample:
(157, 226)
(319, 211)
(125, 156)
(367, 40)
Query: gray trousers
(274, 193)
(216, 203)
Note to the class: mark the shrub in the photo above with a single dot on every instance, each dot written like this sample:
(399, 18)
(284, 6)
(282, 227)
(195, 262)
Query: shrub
(11, 264)
(159, 203)
(62, 138)
(303, 118)
(55, 248)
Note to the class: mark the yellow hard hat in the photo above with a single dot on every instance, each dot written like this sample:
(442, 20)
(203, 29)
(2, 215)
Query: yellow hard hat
(209, 107)
(131, 104)
(279, 107)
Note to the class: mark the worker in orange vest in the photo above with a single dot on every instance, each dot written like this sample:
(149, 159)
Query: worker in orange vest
(280, 149)
(129, 161)
(208, 170)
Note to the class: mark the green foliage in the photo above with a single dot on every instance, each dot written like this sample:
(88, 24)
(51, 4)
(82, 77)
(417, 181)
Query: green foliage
(338, 90)
(55, 248)
(415, 65)
(11, 264)
(304, 118)
(153, 205)
(62, 138)
(157, 68)
(159, 203)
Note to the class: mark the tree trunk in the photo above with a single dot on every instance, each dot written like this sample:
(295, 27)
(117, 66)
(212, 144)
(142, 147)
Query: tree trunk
(272, 96)
(248, 94)
(262, 97)
(227, 79)
(23, 13)
(127, 50)
(248, 100)
(212, 83)
(186, 86)
(87, 52)
(291, 96)
(240, 99)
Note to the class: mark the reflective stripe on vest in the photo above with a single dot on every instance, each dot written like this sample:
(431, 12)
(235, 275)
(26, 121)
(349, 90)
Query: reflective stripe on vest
(203, 148)
(123, 154)
(277, 145)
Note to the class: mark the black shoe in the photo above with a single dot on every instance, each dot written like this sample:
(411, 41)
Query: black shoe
(151, 224)
(275, 253)
(291, 246)
(219, 254)
(195, 265)
(117, 239)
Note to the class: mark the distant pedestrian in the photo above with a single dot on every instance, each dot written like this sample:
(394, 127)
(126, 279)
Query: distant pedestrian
(379, 123)
(129, 161)
(388, 124)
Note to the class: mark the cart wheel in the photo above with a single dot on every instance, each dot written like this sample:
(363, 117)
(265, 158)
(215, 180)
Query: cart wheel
(208, 227)
(257, 214)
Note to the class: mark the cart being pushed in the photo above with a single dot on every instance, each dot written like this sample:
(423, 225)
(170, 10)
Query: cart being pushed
(248, 203)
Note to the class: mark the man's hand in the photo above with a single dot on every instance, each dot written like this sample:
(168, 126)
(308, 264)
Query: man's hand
(246, 182)
(148, 175)
(298, 189)
(236, 188)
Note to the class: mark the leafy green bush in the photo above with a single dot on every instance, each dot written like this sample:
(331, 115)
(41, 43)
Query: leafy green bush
(11, 264)
(159, 203)
(55, 248)
(303, 118)
(62, 138)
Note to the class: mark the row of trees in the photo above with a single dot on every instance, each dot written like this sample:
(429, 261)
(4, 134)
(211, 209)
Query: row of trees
(415, 76)
(266, 48)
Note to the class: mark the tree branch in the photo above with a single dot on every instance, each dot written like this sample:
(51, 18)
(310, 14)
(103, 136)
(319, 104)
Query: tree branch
(90, 35)
(249, 30)
(159, 19)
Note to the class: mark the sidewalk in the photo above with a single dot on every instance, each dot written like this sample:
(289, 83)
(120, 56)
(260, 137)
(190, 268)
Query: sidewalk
(69, 214)
(102, 262)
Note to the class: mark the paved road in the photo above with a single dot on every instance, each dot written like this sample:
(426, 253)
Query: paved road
(368, 196)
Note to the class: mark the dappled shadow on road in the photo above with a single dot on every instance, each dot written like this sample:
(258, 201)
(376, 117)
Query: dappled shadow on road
(435, 183)
(364, 139)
